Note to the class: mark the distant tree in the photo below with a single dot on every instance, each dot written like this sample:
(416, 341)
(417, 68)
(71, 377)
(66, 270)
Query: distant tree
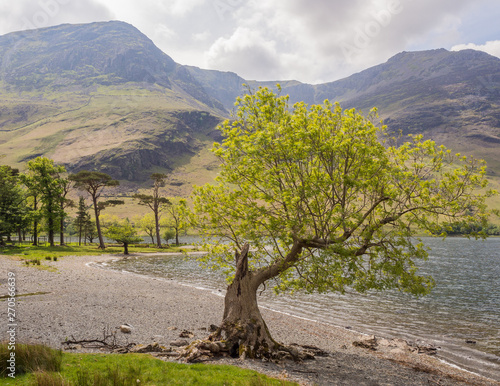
(82, 217)
(168, 234)
(12, 202)
(178, 215)
(123, 232)
(155, 202)
(90, 230)
(44, 178)
(64, 203)
(318, 198)
(147, 224)
(94, 183)
(33, 203)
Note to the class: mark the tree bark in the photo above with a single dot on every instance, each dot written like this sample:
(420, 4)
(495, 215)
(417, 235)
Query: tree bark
(157, 226)
(61, 233)
(97, 224)
(243, 329)
(125, 248)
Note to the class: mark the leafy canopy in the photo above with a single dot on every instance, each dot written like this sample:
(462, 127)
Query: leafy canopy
(326, 202)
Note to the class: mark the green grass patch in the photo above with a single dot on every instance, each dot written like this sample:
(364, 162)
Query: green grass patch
(134, 369)
(36, 255)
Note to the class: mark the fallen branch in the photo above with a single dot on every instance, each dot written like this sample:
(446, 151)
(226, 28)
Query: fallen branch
(109, 342)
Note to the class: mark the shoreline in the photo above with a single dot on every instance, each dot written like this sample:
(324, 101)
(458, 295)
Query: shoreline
(83, 299)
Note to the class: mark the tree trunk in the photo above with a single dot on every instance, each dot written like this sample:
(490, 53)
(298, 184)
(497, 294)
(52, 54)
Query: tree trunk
(177, 237)
(243, 329)
(157, 225)
(51, 230)
(35, 222)
(98, 225)
(243, 332)
(125, 248)
(61, 234)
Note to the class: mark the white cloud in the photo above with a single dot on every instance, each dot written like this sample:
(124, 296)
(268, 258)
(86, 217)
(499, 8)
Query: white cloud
(31, 14)
(491, 47)
(311, 41)
(249, 51)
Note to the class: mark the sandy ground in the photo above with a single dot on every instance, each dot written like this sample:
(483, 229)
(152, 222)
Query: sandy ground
(80, 301)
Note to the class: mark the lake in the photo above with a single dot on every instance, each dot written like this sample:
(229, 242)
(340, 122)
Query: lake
(461, 315)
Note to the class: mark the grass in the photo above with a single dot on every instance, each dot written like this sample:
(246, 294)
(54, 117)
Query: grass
(29, 358)
(129, 369)
(37, 255)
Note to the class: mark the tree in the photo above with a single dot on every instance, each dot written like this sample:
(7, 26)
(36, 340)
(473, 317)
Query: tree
(147, 224)
(33, 200)
(82, 217)
(64, 203)
(154, 201)
(12, 202)
(168, 234)
(123, 232)
(94, 183)
(43, 177)
(89, 230)
(309, 196)
(178, 215)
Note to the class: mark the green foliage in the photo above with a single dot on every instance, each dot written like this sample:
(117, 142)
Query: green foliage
(327, 201)
(168, 234)
(12, 204)
(43, 180)
(474, 229)
(177, 216)
(147, 224)
(123, 232)
(30, 358)
(93, 183)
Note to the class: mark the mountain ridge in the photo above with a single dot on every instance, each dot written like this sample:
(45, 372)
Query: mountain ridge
(103, 96)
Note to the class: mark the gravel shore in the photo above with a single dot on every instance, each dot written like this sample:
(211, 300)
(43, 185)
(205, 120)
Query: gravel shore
(80, 300)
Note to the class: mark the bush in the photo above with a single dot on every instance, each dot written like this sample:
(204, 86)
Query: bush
(30, 358)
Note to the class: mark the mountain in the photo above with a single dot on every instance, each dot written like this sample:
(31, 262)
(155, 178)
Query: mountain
(450, 97)
(103, 96)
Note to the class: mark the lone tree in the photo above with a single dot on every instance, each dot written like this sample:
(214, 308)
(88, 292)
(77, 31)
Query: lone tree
(94, 183)
(154, 201)
(124, 233)
(315, 198)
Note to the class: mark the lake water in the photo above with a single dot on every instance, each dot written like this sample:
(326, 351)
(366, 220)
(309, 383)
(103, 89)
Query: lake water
(463, 307)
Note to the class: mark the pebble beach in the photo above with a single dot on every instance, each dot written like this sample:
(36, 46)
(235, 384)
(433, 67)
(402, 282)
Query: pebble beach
(76, 299)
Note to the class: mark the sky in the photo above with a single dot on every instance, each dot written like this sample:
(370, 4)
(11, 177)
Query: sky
(313, 41)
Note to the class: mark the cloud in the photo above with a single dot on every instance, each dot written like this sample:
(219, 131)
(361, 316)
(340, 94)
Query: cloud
(249, 51)
(490, 47)
(30, 14)
(328, 39)
(311, 41)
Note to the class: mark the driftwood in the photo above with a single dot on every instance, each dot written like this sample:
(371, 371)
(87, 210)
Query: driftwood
(109, 342)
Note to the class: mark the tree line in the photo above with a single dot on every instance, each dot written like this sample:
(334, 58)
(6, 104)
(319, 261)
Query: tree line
(38, 200)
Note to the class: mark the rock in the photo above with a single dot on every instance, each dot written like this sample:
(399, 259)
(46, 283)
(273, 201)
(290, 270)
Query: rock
(179, 343)
(172, 328)
(369, 342)
(126, 328)
(186, 334)
(210, 346)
